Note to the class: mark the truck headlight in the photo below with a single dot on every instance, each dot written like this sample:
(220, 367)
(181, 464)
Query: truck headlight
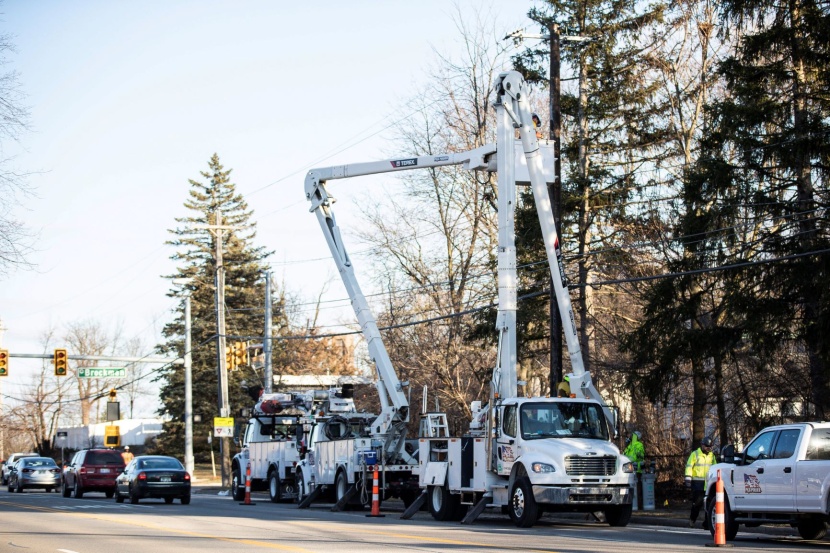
(628, 467)
(542, 467)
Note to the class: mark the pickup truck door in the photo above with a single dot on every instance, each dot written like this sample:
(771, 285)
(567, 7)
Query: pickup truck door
(779, 474)
(750, 477)
(812, 473)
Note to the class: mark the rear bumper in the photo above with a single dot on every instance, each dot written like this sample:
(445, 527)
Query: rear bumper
(158, 489)
(583, 495)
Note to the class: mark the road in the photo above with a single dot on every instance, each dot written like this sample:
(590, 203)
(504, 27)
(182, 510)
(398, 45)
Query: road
(38, 522)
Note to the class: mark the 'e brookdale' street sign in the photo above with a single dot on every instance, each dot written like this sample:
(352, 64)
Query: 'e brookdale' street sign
(102, 372)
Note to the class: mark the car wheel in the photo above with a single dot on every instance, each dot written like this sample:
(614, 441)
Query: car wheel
(812, 529)
(48, 490)
(185, 499)
(237, 490)
(134, 497)
(118, 497)
(109, 494)
(65, 489)
(11, 488)
(169, 500)
(77, 491)
(730, 526)
(618, 516)
(274, 486)
(522, 508)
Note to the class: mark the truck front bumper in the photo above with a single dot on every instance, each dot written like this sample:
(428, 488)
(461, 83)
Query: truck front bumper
(617, 495)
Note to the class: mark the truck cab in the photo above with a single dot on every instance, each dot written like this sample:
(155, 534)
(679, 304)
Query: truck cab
(781, 477)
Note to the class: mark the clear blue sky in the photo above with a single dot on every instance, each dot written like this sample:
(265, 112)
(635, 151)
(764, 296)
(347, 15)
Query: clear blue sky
(130, 99)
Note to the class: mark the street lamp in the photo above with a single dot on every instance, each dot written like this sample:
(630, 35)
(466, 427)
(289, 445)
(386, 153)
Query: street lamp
(188, 379)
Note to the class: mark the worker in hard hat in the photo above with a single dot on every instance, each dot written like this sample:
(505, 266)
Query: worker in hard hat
(697, 466)
(127, 455)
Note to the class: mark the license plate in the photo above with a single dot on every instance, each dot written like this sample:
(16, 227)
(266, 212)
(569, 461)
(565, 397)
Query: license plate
(41, 472)
(104, 471)
(165, 479)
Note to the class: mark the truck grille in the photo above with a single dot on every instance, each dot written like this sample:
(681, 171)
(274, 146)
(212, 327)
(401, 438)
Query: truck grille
(591, 466)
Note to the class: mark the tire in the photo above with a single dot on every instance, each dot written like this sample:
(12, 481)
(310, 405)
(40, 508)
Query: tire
(19, 487)
(11, 488)
(442, 505)
(274, 486)
(169, 500)
(730, 526)
(523, 510)
(237, 491)
(811, 529)
(118, 497)
(618, 516)
(77, 491)
(64, 489)
(134, 498)
(185, 499)
(48, 490)
(298, 478)
(109, 494)
(341, 487)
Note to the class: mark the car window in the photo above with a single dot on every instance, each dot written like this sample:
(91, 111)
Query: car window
(760, 448)
(510, 425)
(786, 444)
(39, 463)
(819, 448)
(104, 458)
(172, 464)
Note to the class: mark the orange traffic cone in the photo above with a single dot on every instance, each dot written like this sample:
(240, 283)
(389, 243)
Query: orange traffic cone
(375, 496)
(720, 519)
(248, 486)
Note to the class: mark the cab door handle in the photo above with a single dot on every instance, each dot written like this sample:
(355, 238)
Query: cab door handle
(788, 469)
(760, 470)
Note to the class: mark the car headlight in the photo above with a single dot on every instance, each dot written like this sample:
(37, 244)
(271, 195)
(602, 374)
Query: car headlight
(628, 467)
(542, 467)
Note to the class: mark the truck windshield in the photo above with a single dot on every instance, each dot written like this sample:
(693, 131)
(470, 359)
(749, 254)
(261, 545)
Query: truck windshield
(563, 420)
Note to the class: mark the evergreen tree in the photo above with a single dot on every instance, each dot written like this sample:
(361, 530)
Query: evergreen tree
(244, 305)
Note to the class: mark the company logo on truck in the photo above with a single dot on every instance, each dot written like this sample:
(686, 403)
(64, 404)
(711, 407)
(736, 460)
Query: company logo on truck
(411, 162)
(752, 484)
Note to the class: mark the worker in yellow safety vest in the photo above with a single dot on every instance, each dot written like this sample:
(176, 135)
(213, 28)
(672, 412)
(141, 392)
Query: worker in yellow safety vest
(696, 468)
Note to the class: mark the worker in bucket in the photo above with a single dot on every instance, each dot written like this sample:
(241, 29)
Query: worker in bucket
(697, 466)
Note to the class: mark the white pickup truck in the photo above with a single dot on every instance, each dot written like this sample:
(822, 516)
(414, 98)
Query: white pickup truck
(782, 477)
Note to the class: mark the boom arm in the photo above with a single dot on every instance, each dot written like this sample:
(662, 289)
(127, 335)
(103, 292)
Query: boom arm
(389, 387)
(512, 97)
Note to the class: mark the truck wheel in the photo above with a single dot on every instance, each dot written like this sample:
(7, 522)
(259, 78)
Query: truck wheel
(237, 491)
(341, 487)
(618, 516)
(524, 512)
(812, 529)
(442, 504)
(274, 486)
(300, 486)
(730, 526)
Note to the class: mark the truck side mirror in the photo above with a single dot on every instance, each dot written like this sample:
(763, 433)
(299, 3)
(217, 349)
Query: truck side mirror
(727, 453)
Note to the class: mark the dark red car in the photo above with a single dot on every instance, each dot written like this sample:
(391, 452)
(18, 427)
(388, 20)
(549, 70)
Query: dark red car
(92, 470)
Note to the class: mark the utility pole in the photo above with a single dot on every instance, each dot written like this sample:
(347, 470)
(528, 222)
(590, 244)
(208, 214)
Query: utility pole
(2, 414)
(188, 389)
(555, 193)
(266, 343)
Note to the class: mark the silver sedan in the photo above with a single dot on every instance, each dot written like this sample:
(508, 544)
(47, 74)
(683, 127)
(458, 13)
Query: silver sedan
(34, 472)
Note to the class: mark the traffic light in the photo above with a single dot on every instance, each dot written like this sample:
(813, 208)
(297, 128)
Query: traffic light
(4, 362)
(230, 358)
(60, 360)
(240, 354)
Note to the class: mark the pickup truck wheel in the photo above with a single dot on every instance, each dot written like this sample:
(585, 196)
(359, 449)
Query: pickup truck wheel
(811, 529)
(618, 516)
(730, 526)
(524, 512)
(237, 487)
(274, 486)
(441, 503)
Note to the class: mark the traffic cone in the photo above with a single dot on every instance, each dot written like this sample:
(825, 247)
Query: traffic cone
(720, 519)
(248, 486)
(375, 496)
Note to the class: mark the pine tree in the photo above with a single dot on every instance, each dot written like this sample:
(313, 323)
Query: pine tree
(244, 305)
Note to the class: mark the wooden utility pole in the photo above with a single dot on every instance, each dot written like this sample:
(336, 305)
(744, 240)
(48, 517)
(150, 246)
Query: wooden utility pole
(555, 192)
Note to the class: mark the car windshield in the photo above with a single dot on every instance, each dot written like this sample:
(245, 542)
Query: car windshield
(563, 420)
(173, 464)
(104, 458)
(38, 463)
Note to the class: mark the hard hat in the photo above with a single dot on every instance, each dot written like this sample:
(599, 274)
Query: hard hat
(637, 433)
(126, 448)
(707, 441)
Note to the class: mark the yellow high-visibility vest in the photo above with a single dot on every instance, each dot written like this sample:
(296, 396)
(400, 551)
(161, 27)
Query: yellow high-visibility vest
(698, 464)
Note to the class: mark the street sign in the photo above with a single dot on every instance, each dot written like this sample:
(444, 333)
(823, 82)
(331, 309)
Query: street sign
(223, 427)
(61, 435)
(102, 372)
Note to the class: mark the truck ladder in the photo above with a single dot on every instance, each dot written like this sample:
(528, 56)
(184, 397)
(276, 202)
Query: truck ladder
(434, 425)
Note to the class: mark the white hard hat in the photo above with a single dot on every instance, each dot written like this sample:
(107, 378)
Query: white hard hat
(126, 448)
